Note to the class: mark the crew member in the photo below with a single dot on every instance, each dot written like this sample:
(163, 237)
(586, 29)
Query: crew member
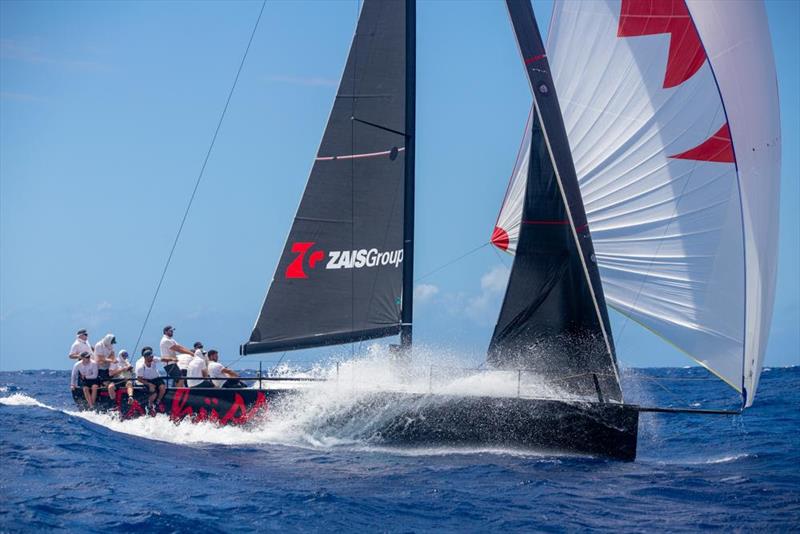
(81, 344)
(199, 352)
(171, 349)
(198, 375)
(104, 356)
(218, 371)
(147, 375)
(87, 371)
(120, 373)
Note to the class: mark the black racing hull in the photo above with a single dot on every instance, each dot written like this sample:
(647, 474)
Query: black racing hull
(591, 428)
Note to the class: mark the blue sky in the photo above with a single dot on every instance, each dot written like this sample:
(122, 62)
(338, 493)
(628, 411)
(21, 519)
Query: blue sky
(107, 110)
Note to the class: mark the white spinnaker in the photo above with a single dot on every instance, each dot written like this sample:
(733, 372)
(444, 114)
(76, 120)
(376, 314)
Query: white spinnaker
(686, 245)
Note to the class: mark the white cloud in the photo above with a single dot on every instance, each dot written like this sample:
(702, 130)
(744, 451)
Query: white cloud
(425, 292)
(105, 305)
(483, 308)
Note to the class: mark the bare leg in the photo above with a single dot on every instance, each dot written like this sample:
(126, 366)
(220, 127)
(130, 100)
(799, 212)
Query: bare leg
(94, 394)
(152, 396)
(129, 386)
(111, 391)
(88, 396)
(162, 390)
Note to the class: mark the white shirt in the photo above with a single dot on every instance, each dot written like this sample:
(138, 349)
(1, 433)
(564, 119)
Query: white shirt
(88, 369)
(200, 354)
(196, 368)
(79, 346)
(101, 349)
(215, 371)
(166, 346)
(184, 360)
(148, 373)
(121, 363)
(73, 378)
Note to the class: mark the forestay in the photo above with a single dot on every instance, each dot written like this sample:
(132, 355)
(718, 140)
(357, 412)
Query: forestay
(671, 109)
(340, 276)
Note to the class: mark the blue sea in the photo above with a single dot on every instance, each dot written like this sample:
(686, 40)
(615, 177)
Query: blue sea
(90, 472)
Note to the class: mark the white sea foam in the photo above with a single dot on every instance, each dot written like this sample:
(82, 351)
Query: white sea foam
(726, 459)
(20, 399)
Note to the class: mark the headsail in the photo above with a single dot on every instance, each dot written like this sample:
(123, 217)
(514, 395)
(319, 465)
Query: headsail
(554, 318)
(340, 277)
(671, 109)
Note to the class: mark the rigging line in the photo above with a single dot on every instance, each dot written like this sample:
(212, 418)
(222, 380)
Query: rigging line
(451, 262)
(199, 178)
(500, 258)
(274, 367)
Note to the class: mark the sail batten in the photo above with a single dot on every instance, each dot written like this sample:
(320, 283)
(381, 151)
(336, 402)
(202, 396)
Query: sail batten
(341, 274)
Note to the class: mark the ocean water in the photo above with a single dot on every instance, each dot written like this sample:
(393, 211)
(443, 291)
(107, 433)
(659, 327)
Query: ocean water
(90, 472)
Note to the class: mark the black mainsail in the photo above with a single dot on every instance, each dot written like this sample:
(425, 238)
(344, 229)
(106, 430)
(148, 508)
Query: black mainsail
(344, 274)
(554, 319)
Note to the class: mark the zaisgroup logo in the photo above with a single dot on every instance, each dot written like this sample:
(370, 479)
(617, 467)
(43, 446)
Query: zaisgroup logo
(339, 259)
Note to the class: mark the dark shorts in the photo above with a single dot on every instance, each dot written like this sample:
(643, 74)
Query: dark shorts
(204, 384)
(183, 372)
(173, 371)
(89, 382)
(102, 375)
(234, 383)
(156, 382)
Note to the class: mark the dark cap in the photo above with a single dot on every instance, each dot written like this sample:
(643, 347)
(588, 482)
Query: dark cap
(82, 332)
(147, 351)
(84, 355)
(167, 329)
(113, 341)
(198, 345)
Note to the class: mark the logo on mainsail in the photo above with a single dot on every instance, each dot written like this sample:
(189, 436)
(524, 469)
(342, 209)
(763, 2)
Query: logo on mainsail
(340, 259)
(295, 268)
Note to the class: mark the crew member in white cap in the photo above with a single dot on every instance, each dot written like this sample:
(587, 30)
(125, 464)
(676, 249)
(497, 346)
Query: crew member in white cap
(81, 344)
(87, 370)
(120, 373)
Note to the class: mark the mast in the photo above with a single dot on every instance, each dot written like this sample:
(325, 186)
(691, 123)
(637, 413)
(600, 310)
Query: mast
(407, 311)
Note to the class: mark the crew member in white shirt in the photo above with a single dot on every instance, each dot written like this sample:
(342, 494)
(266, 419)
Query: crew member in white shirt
(218, 371)
(121, 373)
(147, 375)
(104, 356)
(198, 375)
(87, 370)
(81, 344)
(199, 352)
(171, 349)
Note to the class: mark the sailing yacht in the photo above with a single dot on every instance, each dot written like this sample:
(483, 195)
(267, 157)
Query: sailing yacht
(612, 201)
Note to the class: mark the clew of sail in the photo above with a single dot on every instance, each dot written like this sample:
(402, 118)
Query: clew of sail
(671, 109)
(553, 319)
(340, 276)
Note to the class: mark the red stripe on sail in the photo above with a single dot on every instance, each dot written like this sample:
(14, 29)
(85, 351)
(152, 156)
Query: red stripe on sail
(500, 238)
(534, 58)
(717, 148)
(652, 17)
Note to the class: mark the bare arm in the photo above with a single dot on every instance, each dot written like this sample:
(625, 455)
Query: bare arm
(177, 347)
(232, 374)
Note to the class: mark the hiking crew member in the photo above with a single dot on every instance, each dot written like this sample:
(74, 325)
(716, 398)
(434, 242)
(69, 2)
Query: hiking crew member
(170, 349)
(87, 370)
(198, 376)
(74, 377)
(218, 371)
(147, 375)
(120, 373)
(81, 344)
(200, 353)
(104, 356)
